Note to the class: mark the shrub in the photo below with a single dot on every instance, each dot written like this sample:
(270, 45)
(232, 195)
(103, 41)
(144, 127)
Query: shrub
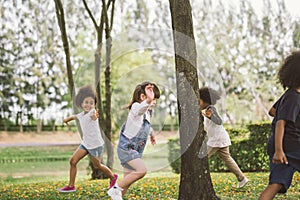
(248, 149)
(174, 155)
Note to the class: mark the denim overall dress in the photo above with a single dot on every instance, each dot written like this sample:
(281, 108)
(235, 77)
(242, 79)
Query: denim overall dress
(130, 149)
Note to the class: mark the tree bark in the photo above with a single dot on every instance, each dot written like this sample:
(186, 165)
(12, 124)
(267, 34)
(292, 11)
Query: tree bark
(195, 180)
(62, 25)
(107, 72)
(61, 22)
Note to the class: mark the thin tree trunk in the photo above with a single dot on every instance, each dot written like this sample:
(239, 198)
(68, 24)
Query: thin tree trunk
(62, 25)
(195, 180)
(108, 133)
(104, 120)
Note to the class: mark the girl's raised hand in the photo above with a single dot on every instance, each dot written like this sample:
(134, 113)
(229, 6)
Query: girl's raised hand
(149, 92)
(94, 115)
(207, 113)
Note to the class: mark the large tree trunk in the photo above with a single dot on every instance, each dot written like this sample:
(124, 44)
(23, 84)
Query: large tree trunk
(195, 180)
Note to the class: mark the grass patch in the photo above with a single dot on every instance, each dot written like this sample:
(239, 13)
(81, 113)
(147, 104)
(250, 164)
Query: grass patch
(18, 162)
(153, 186)
(31, 154)
(41, 179)
(40, 168)
(32, 161)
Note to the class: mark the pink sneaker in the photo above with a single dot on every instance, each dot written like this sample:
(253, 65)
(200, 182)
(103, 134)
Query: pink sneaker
(67, 189)
(114, 181)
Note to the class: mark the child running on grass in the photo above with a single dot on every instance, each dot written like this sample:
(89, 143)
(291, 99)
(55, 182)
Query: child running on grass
(284, 143)
(92, 142)
(218, 138)
(133, 137)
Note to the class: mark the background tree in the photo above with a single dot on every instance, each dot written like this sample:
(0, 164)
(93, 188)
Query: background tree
(242, 50)
(195, 181)
(34, 82)
(64, 36)
(104, 110)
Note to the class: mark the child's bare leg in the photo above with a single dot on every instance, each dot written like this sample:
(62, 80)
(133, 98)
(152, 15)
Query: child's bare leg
(134, 175)
(270, 191)
(77, 156)
(97, 164)
(126, 173)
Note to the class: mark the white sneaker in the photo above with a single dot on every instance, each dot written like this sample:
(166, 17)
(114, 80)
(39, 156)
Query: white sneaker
(242, 183)
(115, 193)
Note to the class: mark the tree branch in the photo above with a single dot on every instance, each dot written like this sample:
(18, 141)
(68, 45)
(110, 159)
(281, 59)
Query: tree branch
(90, 14)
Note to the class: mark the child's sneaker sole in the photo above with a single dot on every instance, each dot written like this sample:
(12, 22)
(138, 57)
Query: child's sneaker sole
(67, 189)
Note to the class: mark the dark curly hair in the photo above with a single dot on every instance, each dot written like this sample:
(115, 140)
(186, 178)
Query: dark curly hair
(83, 93)
(209, 95)
(289, 72)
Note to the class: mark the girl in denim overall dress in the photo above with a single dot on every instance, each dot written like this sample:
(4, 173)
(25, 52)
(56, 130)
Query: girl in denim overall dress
(133, 137)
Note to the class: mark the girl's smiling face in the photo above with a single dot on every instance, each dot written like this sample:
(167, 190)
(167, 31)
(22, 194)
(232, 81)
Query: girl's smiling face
(88, 104)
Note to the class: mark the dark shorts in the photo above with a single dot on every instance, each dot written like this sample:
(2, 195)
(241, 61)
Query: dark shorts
(281, 174)
(96, 152)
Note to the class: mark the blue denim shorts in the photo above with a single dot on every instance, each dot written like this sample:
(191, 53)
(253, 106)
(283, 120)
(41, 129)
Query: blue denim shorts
(126, 152)
(96, 152)
(281, 174)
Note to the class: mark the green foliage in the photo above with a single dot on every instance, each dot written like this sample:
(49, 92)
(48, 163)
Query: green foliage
(174, 154)
(237, 133)
(248, 149)
(128, 69)
(33, 74)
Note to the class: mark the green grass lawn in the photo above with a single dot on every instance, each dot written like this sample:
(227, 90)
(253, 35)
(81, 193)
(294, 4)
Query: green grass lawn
(31, 161)
(40, 178)
(153, 186)
(38, 161)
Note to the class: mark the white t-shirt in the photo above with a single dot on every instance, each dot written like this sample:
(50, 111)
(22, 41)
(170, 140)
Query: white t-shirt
(135, 118)
(217, 135)
(91, 135)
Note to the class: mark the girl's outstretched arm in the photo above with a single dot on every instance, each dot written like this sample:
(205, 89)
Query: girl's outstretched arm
(68, 119)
